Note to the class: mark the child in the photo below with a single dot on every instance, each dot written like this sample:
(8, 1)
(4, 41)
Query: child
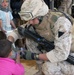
(6, 22)
(7, 65)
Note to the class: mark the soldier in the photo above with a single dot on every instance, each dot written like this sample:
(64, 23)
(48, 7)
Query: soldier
(54, 27)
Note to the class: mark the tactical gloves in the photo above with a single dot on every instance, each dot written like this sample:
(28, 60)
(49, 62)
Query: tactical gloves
(29, 55)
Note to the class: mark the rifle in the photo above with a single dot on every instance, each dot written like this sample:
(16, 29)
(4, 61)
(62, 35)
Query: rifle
(43, 44)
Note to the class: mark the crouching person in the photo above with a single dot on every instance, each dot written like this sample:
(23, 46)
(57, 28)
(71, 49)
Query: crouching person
(53, 26)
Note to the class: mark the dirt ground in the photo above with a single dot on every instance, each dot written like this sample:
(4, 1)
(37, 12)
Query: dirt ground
(30, 66)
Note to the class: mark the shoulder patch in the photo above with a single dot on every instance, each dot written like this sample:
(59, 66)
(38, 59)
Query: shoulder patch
(54, 18)
(60, 33)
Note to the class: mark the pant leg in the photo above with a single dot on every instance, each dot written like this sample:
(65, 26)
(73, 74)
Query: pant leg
(63, 68)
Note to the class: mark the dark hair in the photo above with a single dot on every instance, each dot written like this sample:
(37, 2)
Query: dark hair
(2, 35)
(5, 47)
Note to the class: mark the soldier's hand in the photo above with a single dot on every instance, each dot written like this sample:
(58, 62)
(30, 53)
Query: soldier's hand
(29, 55)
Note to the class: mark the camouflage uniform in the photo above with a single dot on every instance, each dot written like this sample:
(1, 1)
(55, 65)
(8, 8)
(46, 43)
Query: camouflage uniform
(50, 28)
(66, 6)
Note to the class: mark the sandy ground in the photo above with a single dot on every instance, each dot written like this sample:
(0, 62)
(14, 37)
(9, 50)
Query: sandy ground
(30, 66)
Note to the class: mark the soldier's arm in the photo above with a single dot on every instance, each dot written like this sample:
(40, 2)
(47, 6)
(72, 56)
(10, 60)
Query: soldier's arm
(62, 42)
(14, 35)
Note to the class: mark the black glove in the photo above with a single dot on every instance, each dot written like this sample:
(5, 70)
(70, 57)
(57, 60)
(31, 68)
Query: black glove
(21, 31)
(29, 55)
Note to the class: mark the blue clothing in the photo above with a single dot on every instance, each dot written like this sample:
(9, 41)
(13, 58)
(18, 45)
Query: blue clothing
(6, 17)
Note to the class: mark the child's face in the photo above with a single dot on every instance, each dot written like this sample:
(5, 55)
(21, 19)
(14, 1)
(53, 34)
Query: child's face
(5, 4)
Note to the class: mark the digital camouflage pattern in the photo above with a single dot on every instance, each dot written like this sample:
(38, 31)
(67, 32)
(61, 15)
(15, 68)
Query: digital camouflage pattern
(51, 25)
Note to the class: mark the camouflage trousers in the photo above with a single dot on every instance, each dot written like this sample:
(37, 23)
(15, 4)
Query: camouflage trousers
(60, 68)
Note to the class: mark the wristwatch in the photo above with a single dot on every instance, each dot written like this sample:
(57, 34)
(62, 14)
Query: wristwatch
(37, 56)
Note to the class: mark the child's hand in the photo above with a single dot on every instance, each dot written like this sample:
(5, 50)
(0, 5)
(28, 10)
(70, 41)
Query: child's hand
(18, 57)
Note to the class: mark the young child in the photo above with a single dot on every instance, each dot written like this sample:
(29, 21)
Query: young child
(7, 65)
(6, 22)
